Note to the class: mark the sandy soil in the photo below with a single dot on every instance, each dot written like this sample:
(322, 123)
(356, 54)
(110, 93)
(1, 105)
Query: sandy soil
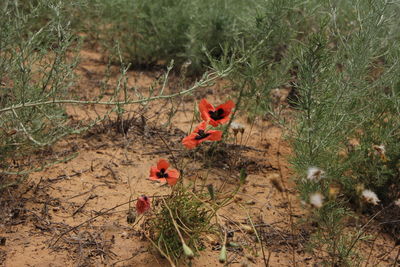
(74, 213)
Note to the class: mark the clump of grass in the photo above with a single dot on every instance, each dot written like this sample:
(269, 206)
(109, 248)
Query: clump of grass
(179, 219)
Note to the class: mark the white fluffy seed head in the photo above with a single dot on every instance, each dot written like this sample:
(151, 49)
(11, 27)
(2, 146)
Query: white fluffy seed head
(316, 200)
(397, 203)
(276, 95)
(236, 125)
(370, 197)
(381, 150)
(315, 174)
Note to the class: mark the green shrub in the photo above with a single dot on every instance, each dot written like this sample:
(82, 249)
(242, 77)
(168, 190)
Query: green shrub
(343, 74)
(341, 100)
(348, 103)
(34, 67)
(154, 32)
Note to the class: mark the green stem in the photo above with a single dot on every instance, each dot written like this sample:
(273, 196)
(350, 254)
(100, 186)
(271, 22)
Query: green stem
(209, 78)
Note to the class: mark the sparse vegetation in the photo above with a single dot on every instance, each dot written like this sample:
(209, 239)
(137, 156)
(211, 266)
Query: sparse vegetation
(237, 95)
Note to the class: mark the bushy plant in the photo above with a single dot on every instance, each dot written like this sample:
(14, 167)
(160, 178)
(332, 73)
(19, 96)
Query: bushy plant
(34, 66)
(269, 33)
(347, 84)
(151, 33)
(346, 112)
(342, 73)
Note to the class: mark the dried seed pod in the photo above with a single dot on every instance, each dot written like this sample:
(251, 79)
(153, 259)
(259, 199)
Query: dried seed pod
(359, 188)
(334, 190)
(211, 191)
(237, 128)
(131, 218)
(248, 229)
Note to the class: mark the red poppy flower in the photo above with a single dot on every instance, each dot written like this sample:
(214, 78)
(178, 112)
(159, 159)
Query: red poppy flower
(142, 204)
(218, 115)
(200, 134)
(162, 174)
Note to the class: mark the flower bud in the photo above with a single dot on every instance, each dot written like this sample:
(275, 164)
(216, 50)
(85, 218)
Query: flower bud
(211, 191)
(222, 254)
(188, 251)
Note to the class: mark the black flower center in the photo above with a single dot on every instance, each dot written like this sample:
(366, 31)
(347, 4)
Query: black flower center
(201, 135)
(162, 174)
(217, 115)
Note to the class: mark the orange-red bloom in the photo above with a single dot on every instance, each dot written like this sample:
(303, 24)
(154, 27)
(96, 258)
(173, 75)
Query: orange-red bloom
(200, 134)
(218, 115)
(142, 204)
(162, 174)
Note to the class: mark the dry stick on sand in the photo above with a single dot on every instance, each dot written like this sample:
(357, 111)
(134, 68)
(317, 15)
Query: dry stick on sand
(397, 258)
(363, 229)
(266, 261)
(89, 220)
(94, 217)
(370, 251)
(24, 174)
(160, 250)
(381, 257)
(83, 205)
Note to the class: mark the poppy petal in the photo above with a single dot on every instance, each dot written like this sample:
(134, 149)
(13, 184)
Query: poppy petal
(204, 108)
(214, 135)
(226, 107)
(201, 141)
(172, 181)
(220, 122)
(190, 141)
(162, 164)
(153, 172)
(173, 174)
(215, 123)
(157, 179)
(201, 126)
